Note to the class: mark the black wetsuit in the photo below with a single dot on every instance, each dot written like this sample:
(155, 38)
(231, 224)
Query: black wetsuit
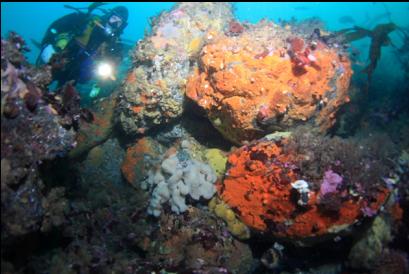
(79, 57)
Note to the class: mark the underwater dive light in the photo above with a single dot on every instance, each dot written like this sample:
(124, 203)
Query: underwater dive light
(105, 70)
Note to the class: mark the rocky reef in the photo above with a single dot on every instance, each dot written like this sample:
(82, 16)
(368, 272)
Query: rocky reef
(268, 78)
(99, 167)
(35, 127)
(99, 130)
(153, 92)
(219, 153)
(304, 190)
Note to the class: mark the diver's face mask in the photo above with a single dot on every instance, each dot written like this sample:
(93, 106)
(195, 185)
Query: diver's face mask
(115, 21)
(113, 25)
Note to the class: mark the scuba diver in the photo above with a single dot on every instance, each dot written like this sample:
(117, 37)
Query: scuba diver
(78, 42)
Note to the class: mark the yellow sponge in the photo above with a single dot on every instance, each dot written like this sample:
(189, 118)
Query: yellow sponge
(234, 225)
(217, 160)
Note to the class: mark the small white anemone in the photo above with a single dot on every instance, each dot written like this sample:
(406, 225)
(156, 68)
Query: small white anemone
(300, 186)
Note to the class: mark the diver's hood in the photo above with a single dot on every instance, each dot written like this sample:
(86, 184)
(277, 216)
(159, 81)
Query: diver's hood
(121, 12)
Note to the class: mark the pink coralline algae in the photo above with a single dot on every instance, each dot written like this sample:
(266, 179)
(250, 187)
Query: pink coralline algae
(330, 182)
(301, 54)
(235, 28)
(369, 212)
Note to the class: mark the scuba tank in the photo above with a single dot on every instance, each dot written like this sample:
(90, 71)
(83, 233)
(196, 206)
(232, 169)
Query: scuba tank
(63, 30)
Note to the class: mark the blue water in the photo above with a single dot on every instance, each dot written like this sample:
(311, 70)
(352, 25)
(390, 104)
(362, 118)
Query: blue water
(32, 19)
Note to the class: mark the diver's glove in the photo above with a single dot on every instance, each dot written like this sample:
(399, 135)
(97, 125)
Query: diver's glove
(94, 91)
(47, 53)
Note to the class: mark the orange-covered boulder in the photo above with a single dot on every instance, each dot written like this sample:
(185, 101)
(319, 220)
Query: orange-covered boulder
(139, 158)
(266, 79)
(260, 185)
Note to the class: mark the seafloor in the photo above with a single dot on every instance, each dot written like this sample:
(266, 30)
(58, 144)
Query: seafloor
(227, 147)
